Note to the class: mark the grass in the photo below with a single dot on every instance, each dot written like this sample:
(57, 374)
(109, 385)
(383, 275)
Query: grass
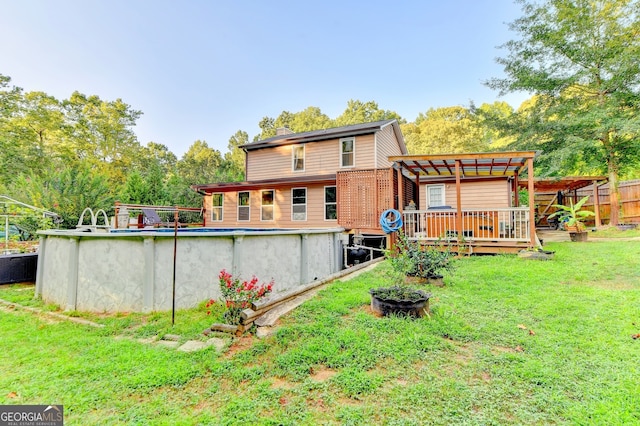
(509, 341)
(613, 232)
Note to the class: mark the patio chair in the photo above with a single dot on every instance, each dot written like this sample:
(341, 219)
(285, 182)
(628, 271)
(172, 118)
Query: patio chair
(151, 218)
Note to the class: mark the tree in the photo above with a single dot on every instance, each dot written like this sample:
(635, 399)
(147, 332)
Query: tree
(10, 155)
(67, 192)
(102, 133)
(235, 156)
(582, 60)
(200, 164)
(445, 130)
(364, 112)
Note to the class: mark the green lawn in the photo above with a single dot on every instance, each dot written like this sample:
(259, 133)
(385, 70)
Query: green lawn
(509, 341)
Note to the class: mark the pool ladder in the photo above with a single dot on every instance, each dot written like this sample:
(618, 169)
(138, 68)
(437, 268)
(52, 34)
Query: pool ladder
(93, 227)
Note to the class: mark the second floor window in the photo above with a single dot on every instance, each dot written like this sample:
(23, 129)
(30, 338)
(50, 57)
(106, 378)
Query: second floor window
(297, 154)
(217, 201)
(266, 209)
(347, 152)
(244, 209)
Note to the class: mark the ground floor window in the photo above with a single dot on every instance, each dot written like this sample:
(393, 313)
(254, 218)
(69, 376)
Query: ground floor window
(266, 208)
(299, 204)
(435, 195)
(330, 203)
(217, 201)
(244, 209)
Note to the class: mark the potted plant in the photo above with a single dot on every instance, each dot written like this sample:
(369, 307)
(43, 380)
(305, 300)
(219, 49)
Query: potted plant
(572, 217)
(400, 298)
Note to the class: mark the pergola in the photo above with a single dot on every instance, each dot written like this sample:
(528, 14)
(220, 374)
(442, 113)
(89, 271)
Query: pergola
(477, 166)
(566, 185)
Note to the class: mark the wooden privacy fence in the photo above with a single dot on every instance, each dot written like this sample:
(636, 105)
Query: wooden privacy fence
(629, 199)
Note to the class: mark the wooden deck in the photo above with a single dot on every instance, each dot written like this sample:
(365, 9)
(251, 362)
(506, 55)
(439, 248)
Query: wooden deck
(490, 230)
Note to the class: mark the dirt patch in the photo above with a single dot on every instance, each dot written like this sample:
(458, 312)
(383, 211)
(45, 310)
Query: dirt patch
(323, 374)
(609, 285)
(368, 310)
(45, 318)
(497, 350)
(239, 344)
(280, 383)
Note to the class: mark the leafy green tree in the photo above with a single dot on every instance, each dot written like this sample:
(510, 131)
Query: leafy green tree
(102, 133)
(267, 128)
(11, 163)
(234, 158)
(200, 164)
(364, 112)
(38, 130)
(135, 189)
(311, 118)
(445, 130)
(66, 192)
(582, 60)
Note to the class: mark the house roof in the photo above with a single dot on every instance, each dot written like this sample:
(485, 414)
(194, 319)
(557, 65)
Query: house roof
(484, 164)
(564, 184)
(332, 133)
(329, 179)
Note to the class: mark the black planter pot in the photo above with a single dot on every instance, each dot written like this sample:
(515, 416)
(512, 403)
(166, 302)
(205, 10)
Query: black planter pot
(415, 307)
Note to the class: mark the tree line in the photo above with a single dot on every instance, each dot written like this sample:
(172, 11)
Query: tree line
(579, 60)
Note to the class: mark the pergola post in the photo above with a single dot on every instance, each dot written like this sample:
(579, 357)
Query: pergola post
(400, 190)
(531, 188)
(417, 194)
(516, 190)
(458, 204)
(596, 203)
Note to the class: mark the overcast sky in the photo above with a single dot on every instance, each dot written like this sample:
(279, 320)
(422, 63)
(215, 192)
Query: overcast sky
(205, 69)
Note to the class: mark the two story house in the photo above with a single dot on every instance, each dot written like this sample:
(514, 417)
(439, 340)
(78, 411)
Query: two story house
(314, 179)
(348, 176)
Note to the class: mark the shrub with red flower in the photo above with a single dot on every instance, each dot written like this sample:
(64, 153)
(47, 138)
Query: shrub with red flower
(239, 295)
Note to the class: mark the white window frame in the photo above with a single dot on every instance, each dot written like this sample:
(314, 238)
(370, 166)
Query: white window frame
(428, 195)
(325, 204)
(353, 152)
(247, 207)
(294, 158)
(293, 214)
(219, 208)
(272, 205)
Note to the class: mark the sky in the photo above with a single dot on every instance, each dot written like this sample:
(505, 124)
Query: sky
(204, 69)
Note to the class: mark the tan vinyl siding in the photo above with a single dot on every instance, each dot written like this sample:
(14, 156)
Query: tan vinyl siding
(491, 193)
(282, 210)
(386, 146)
(321, 158)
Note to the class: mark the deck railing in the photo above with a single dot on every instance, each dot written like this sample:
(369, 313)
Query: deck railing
(497, 224)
